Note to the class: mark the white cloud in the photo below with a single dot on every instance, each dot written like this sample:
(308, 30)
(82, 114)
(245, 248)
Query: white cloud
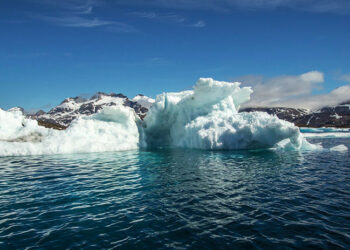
(169, 17)
(293, 91)
(199, 24)
(337, 96)
(143, 14)
(78, 14)
(81, 7)
(345, 78)
(76, 21)
(313, 77)
(77, 7)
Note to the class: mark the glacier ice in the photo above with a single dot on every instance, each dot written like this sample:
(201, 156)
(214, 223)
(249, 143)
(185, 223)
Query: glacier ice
(205, 118)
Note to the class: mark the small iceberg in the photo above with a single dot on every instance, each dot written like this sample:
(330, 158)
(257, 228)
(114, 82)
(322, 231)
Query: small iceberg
(340, 148)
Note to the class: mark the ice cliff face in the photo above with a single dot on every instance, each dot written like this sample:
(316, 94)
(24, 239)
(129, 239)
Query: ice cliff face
(72, 108)
(207, 118)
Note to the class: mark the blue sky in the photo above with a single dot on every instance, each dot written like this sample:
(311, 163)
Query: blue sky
(50, 50)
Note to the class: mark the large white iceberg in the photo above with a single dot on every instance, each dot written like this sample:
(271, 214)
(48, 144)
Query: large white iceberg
(205, 118)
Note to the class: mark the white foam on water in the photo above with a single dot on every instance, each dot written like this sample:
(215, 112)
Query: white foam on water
(339, 148)
(327, 135)
(324, 130)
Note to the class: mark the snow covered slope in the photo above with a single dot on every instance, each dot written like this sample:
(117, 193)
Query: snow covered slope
(144, 101)
(336, 116)
(287, 114)
(71, 108)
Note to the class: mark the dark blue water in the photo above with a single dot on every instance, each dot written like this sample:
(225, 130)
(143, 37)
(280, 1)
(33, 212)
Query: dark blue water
(177, 199)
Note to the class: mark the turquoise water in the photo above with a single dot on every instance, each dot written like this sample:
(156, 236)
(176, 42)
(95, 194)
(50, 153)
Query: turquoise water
(177, 199)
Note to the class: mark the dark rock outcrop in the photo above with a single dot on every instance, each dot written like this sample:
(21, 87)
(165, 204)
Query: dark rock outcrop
(71, 108)
(288, 114)
(336, 116)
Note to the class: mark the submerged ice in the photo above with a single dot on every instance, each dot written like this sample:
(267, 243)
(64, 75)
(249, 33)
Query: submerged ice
(205, 118)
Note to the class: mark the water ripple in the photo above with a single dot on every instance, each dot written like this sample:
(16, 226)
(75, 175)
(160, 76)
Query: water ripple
(176, 199)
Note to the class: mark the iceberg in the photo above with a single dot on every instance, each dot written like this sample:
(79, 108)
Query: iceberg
(340, 148)
(113, 129)
(207, 118)
(203, 118)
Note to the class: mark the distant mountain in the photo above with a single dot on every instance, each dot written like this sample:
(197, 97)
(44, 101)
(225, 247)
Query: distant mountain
(71, 108)
(288, 114)
(62, 115)
(335, 116)
(16, 109)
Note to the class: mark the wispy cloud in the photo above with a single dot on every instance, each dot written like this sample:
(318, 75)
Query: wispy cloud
(142, 14)
(293, 91)
(121, 28)
(78, 7)
(321, 6)
(345, 78)
(78, 14)
(199, 24)
(74, 21)
(29, 55)
(169, 17)
(86, 22)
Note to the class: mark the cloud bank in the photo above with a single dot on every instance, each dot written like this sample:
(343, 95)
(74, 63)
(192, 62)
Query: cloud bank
(293, 91)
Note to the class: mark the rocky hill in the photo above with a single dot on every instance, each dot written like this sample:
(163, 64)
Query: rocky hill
(288, 114)
(335, 116)
(62, 115)
(71, 108)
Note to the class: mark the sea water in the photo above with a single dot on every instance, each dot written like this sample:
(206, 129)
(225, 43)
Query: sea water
(177, 199)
